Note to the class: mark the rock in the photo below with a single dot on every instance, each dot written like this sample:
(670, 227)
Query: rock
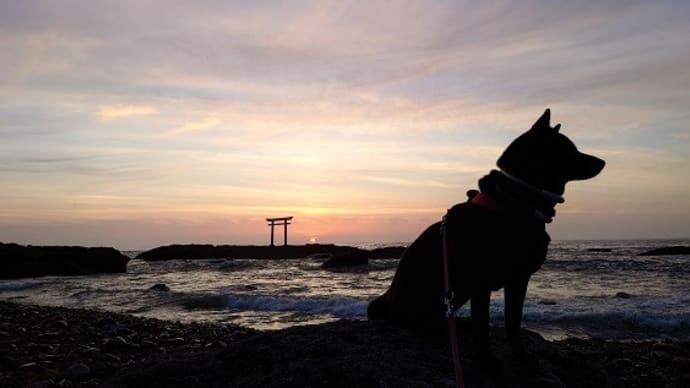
(78, 371)
(623, 295)
(622, 363)
(160, 287)
(17, 261)
(659, 354)
(196, 251)
(111, 357)
(387, 252)
(117, 344)
(41, 384)
(148, 345)
(671, 250)
(351, 259)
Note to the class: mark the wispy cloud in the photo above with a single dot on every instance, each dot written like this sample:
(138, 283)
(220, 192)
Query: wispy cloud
(108, 113)
(339, 107)
(196, 126)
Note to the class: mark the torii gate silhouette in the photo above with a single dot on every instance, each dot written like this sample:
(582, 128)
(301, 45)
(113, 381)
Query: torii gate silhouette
(284, 221)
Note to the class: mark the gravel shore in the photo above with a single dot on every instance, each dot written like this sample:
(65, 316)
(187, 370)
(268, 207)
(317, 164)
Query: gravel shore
(59, 347)
(54, 346)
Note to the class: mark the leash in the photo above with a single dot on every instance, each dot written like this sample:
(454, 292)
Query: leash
(451, 309)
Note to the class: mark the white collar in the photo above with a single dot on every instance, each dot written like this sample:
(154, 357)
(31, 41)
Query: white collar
(548, 195)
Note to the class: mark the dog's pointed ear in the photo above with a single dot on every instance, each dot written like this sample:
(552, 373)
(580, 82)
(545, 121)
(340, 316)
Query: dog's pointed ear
(544, 122)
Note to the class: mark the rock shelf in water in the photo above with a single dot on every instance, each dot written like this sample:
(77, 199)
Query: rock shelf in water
(18, 261)
(672, 250)
(208, 251)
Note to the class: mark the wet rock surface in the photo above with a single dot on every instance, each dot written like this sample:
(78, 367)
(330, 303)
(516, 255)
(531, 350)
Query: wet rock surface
(671, 250)
(18, 261)
(53, 347)
(196, 251)
(346, 260)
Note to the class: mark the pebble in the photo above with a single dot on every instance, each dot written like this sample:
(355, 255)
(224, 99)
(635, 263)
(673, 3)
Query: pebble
(116, 344)
(111, 357)
(160, 287)
(41, 384)
(78, 371)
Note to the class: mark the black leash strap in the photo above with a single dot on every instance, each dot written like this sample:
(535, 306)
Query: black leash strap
(450, 309)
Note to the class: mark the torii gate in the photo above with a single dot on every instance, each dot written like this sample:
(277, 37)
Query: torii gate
(284, 221)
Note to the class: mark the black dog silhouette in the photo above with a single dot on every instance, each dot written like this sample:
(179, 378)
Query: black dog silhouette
(496, 239)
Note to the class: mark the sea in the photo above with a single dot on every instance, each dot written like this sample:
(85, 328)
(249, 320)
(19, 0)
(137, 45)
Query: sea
(585, 289)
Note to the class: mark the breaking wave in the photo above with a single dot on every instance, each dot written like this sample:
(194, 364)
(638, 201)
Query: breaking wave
(340, 307)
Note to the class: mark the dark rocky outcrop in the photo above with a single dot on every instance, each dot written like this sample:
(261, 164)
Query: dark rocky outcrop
(18, 261)
(162, 287)
(671, 250)
(207, 251)
(387, 252)
(350, 259)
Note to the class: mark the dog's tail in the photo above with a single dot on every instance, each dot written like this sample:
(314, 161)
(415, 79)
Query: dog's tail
(379, 309)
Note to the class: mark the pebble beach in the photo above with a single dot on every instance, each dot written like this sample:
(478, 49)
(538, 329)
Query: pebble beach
(62, 347)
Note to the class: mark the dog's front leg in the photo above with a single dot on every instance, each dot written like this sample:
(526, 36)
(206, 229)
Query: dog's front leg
(480, 322)
(514, 294)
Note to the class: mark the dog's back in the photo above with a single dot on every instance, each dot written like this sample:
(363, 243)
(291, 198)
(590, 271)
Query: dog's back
(486, 250)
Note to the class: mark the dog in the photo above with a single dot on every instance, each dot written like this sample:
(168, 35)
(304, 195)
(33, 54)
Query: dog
(497, 239)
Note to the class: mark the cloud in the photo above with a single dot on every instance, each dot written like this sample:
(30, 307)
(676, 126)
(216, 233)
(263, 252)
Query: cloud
(196, 126)
(338, 107)
(108, 113)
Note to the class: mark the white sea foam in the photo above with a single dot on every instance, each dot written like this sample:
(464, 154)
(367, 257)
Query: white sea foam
(340, 307)
(18, 285)
(615, 294)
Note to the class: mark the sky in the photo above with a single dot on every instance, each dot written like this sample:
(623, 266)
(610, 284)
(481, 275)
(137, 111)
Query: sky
(135, 124)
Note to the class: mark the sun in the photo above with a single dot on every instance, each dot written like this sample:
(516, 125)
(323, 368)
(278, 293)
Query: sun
(312, 240)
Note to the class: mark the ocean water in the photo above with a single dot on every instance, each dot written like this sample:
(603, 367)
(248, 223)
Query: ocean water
(609, 292)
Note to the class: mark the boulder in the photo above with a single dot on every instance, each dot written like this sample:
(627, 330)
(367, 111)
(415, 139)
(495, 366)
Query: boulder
(671, 250)
(387, 252)
(351, 259)
(197, 251)
(162, 287)
(18, 261)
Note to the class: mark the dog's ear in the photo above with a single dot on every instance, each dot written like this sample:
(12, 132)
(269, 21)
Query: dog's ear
(544, 122)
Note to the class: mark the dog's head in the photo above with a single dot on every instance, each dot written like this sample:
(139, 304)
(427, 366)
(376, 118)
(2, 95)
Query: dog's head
(547, 159)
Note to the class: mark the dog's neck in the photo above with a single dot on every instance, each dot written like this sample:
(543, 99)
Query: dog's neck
(537, 191)
(518, 196)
